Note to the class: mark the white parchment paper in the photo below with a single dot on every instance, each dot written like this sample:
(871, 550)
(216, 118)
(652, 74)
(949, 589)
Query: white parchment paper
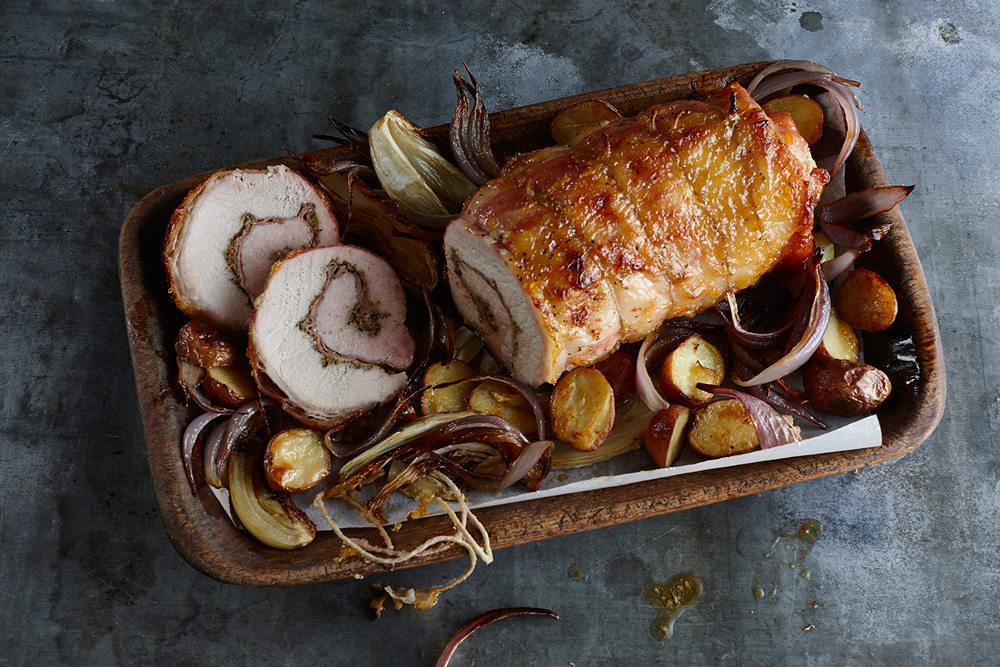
(626, 469)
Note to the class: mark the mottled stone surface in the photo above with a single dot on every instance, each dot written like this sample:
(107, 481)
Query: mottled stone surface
(100, 101)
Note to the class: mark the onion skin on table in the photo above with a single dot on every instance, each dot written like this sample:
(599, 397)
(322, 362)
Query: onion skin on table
(482, 621)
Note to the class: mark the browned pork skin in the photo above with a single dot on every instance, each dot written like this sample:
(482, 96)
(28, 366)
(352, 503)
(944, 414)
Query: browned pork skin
(226, 234)
(575, 249)
(328, 336)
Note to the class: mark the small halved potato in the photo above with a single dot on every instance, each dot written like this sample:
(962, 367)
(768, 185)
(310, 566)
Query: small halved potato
(806, 114)
(296, 460)
(664, 434)
(839, 340)
(844, 388)
(453, 398)
(693, 361)
(231, 386)
(571, 121)
(203, 345)
(583, 409)
(866, 301)
(270, 517)
(493, 398)
(619, 371)
(723, 428)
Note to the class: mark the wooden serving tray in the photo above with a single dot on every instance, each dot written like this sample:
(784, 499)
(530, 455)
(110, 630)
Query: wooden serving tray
(203, 534)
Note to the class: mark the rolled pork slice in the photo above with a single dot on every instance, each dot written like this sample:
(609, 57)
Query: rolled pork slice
(328, 336)
(576, 249)
(229, 231)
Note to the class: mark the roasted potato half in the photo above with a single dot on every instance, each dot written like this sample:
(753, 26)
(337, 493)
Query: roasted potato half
(453, 398)
(571, 121)
(203, 345)
(296, 460)
(231, 386)
(722, 428)
(494, 398)
(866, 301)
(806, 114)
(839, 340)
(845, 388)
(694, 360)
(665, 433)
(583, 408)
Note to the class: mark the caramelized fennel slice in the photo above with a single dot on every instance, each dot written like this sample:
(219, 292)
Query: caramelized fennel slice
(271, 518)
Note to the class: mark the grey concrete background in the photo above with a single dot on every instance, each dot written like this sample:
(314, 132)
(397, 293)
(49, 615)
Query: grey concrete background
(100, 101)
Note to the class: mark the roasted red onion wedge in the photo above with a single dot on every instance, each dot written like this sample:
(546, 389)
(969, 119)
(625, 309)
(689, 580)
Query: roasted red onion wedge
(784, 75)
(328, 337)
(227, 233)
(812, 327)
(482, 621)
(191, 435)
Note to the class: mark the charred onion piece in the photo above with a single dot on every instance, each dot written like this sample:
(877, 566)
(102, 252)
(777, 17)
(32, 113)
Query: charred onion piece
(190, 439)
(210, 451)
(775, 78)
(813, 326)
(527, 458)
(470, 132)
(752, 339)
(271, 518)
(376, 220)
(482, 621)
(772, 429)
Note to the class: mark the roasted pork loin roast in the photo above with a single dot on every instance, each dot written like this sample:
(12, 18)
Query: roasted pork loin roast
(575, 249)
(227, 233)
(328, 336)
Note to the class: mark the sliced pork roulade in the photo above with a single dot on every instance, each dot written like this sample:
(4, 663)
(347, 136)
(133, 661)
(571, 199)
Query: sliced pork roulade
(227, 233)
(328, 336)
(575, 249)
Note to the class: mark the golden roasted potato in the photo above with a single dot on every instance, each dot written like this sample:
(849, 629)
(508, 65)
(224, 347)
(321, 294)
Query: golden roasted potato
(203, 345)
(839, 340)
(722, 428)
(619, 371)
(583, 409)
(454, 398)
(866, 301)
(664, 434)
(573, 120)
(845, 388)
(494, 398)
(806, 114)
(296, 460)
(231, 386)
(694, 360)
